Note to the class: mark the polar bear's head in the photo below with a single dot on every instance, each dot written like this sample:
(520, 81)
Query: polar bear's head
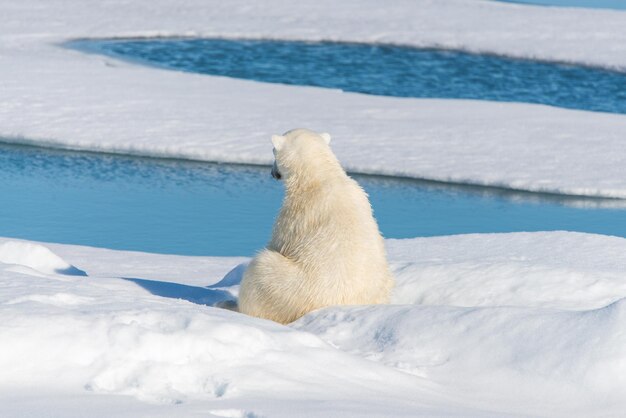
(300, 151)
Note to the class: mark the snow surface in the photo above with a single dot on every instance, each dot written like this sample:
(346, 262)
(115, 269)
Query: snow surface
(523, 324)
(54, 96)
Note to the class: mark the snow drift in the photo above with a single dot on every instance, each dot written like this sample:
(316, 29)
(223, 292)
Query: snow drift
(547, 337)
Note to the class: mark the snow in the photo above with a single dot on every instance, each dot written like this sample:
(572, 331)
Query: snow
(55, 96)
(543, 362)
(138, 335)
(36, 257)
(554, 270)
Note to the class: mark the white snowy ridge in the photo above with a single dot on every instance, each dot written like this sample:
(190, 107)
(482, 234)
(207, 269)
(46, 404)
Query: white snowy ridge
(54, 96)
(480, 325)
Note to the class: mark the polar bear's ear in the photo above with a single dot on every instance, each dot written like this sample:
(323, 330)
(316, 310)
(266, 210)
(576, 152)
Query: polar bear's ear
(278, 141)
(326, 137)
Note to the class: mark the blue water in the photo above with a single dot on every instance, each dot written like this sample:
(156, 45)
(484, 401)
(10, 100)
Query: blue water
(193, 208)
(179, 207)
(595, 4)
(382, 70)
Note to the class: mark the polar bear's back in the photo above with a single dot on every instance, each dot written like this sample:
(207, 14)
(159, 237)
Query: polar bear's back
(325, 249)
(332, 249)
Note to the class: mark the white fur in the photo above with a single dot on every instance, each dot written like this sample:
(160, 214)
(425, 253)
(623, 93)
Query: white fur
(325, 247)
(278, 141)
(326, 137)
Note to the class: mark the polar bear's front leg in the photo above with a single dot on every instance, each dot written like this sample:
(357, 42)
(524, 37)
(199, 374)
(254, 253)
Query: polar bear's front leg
(271, 287)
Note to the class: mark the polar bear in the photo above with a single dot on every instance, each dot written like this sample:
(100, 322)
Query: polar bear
(325, 248)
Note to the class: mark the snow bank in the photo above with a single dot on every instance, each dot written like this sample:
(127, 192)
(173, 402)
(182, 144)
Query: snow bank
(482, 325)
(560, 270)
(544, 362)
(63, 98)
(594, 37)
(36, 257)
(111, 336)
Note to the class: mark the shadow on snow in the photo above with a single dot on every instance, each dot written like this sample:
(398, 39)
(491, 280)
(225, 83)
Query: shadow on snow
(194, 294)
(213, 295)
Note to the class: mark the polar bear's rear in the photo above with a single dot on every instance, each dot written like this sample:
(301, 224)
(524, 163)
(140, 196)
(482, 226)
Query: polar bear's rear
(326, 248)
